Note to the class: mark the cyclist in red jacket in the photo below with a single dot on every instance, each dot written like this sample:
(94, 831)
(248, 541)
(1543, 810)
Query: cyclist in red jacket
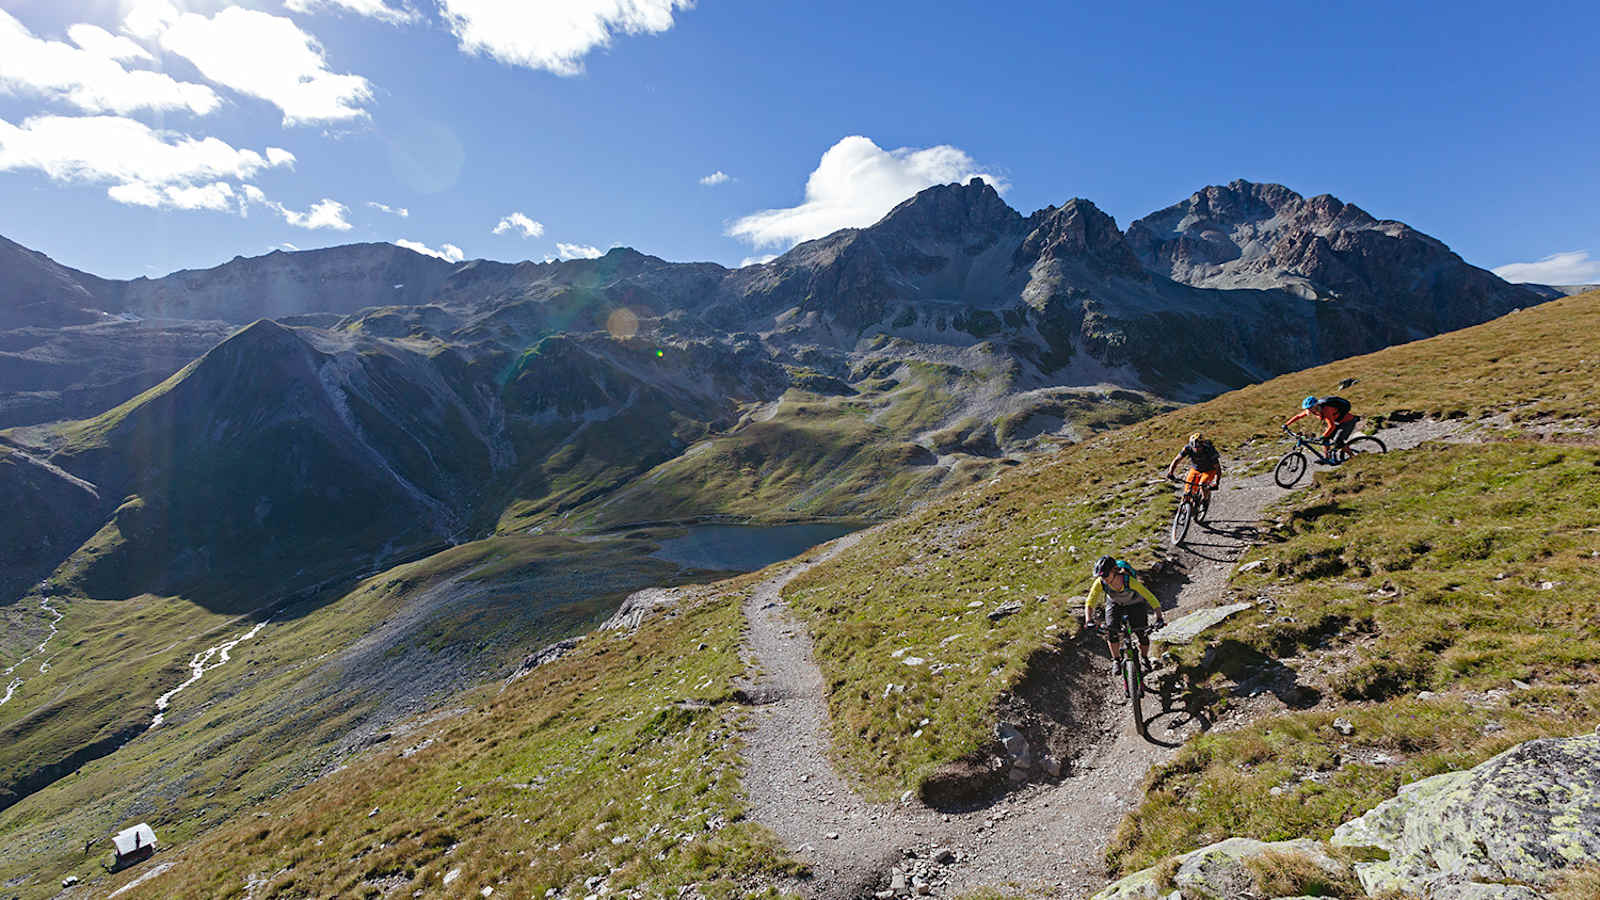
(1335, 414)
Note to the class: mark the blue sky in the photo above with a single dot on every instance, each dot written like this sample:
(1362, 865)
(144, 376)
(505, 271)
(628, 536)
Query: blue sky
(142, 145)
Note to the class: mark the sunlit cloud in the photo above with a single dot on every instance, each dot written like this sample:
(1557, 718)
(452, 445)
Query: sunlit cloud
(519, 222)
(716, 178)
(257, 54)
(757, 260)
(374, 9)
(218, 196)
(144, 167)
(91, 75)
(400, 211)
(552, 36)
(577, 251)
(447, 252)
(854, 184)
(1571, 267)
(324, 214)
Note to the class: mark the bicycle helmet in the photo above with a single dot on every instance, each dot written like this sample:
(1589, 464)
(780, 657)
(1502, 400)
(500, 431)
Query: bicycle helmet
(1196, 438)
(1103, 566)
(1308, 402)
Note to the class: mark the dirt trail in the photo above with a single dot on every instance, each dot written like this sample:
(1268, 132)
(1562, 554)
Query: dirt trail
(1047, 838)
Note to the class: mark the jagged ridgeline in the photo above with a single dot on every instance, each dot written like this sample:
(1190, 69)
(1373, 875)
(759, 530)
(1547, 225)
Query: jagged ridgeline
(615, 764)
(383, 455)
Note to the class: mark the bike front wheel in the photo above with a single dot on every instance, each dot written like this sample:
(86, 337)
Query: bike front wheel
(1180, 521)
(1364, 444)
(1135, 679)
(1290, 468)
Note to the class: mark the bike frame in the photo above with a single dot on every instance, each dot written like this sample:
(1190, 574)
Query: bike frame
(1301, 442)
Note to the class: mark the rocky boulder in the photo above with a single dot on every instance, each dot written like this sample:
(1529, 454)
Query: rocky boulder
(1522, 816)
(1224, 871)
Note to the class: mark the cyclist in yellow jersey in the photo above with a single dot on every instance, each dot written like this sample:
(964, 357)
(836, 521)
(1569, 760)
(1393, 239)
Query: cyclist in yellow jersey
(1126, 599)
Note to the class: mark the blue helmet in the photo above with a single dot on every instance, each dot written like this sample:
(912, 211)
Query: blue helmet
(1308, 402)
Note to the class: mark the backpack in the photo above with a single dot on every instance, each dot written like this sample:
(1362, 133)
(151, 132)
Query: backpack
(1128, 572)
(1204, 456)
(1340, 405)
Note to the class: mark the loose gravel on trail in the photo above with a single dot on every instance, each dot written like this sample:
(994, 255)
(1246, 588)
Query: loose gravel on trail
(1046, 838)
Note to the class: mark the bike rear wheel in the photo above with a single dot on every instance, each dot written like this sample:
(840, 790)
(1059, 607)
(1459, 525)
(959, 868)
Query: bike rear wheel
(1290, 468)
(1180, 521)
(1364, 444)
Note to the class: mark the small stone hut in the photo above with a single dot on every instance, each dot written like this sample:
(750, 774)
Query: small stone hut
(133, 845)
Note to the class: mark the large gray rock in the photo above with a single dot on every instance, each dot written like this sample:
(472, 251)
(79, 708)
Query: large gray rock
(1187, 628)
(1218, 872)
(1521, 816)
(639, 606)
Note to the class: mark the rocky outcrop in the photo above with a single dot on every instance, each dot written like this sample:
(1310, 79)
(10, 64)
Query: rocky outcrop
(1224, 871)
(1503, 830)
(1520, 817)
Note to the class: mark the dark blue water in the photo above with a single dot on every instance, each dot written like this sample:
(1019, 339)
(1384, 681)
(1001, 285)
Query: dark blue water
(744, 548)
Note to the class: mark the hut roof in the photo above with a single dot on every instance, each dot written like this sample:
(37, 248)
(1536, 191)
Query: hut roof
(140, 835)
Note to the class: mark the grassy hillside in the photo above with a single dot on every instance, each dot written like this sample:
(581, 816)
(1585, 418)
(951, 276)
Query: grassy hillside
(325, 677)
(617, 763)
(899, 434)
(586, 767)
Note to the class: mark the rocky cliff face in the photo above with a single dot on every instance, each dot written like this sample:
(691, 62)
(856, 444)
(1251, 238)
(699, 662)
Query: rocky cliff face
(1265, 236)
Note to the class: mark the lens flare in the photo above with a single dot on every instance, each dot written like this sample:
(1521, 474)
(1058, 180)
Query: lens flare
(622, 323)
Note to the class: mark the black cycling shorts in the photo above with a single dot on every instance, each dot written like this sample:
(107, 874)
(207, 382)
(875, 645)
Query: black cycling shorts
(1136, 614)
(1342, 431)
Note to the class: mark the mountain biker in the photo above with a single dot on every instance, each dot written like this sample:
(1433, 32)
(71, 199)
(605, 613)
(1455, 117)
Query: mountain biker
(1122, 593)
(1205, 472)
(1335, 413)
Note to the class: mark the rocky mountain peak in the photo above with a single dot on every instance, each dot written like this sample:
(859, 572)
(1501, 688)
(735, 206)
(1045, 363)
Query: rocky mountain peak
(951, 212)
(1078, 230)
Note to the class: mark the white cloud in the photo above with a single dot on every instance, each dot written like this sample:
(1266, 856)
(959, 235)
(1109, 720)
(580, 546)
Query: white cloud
(1572, 267)
(218, 196)
(854, 184)
(519, 222)
(91, 76)
(325, 213)
(139, 162)
(448, 252)
(257, 54)
(717, 177)
(400, 211)
(578, 251)
(757, 260)
(100, 42)
(375, 9)
(554, 36)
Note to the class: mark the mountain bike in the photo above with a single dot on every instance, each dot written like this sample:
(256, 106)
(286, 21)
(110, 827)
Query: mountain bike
(1192, 507)
(1294, 464)
(1131, 668)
